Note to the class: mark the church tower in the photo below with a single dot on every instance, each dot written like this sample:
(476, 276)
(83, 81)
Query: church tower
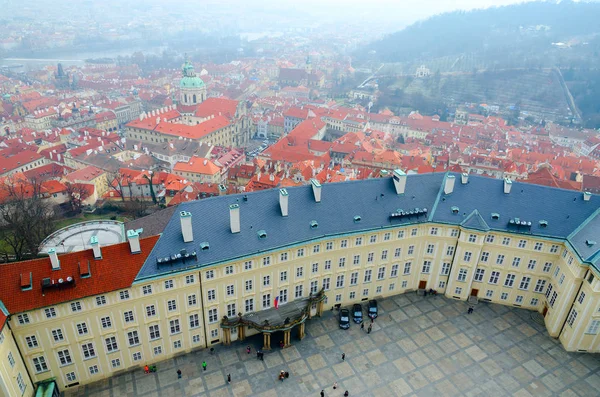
(308, 65)
(192, 90)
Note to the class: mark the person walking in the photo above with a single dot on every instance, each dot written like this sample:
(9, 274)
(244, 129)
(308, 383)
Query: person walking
(322, 393)
(362, 325)
(146, 369)
(369, 329)
(470, 310)
(343, 356)
(204, 365)
(248, 349)
(346, 394)
(228, 378)
(178, 374)
(334, 385)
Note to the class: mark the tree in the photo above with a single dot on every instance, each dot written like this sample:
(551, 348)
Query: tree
(149, 176)
(25, 217)
(77, 193)
(116, 181)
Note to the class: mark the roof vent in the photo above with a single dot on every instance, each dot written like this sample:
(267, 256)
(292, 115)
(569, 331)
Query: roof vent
(357, 218)
(314, 224)
(96, 247)
(587, 196)
(455, 209)
(464, 178)
(399, 178)
(495, 215)
(26, 281)
(589, 243)
(543, 223)
(316, 187)
(262, 234)
(204, 246)
(54, 261)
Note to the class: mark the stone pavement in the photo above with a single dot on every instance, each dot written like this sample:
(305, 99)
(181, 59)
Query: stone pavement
(419, 346)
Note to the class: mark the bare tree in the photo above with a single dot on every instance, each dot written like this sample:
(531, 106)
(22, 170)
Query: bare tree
(77, 193)
(115, 181)
(25, 217)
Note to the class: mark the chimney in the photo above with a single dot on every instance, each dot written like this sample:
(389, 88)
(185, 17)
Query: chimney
(449, 184)
(234, 218)
(283, 201)
(316, 187)
(186, 226)
(96, 247)
(507, 185)
(587, 196)
(399, 178)
(464, 178)
(134, 241)
(54, 259)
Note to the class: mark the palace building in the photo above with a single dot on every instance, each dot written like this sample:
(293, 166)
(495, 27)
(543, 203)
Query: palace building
(221, 266)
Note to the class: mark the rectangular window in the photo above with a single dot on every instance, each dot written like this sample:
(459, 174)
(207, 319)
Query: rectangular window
(212, 295)
(230, 290)
(101, 300)
(192, 301)
(210, 274)
(394, 271)
(338, 298)
(494, 277)
(111, 344)
(315, 268)
(326, 283)
(328, 264)
(229, 269)
(506, 241)
(400, 234)
(433, 231)
(407, 267)
(339, 283)
(300, 272)
(531, 264)
(524, 284)
(387, 236)
(168, 284)
(413, 232)
(88, 350)
(539, 286)
(538, 246)
(171, 305)
(82, 328)
(441, 284)
(581, 297)
(266, 301)
(266, 261)
(485, 256)
(344, 244)
(381, 273)
(489, 238)
(547, 267)
(593, 328)
(64, 357)
(106, 322)
(21, 383)
(445, 269)
(283, 296)
(316, 249)
(314, 287)
(150, 311)
(40, 364)
(572, 317)
(71, 377)
(553, 299)
(174, 326)
(384, 255)
(249, 305)
(534, 301)
(454, 233)
(352, 295)
(365, 292)
(50, 312)
(31, 341)
(177, 344)
(489, 293)
(57, 335)
(358, 241)
(522, 243)
(76, 307)
(154, 332)
(500, 259)
(124, 295)
(354, 278)
(283, 256)
(562, 279)
(479, 273)
(450, 251)
(147, 289)
(368, 274)
(195, 320)
(249, 285)
(157, 350)
(430, 248)
(93, 369)
(504, 296)
(426, 267)
(462, 274)
(133, 338)
(115, 362)
(373, 239)
(329, 246)
(472, 238)
(554, 249)
(342, 262)
(356, 259)
(266, 281)
(516, 261)
(300, 253)
(556, 271)
(213, 315)
(299, 291)
(467, 257)
(411, 250)
(458, 291)
(397, 252)
(509, 281)
(190, 279)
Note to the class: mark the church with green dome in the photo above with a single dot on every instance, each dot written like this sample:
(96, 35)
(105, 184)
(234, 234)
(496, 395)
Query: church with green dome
(192, 89)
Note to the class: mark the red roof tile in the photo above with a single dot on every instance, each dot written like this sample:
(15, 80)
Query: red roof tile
(104, 276)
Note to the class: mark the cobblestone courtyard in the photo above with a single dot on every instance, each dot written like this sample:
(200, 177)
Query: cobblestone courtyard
(419, 346)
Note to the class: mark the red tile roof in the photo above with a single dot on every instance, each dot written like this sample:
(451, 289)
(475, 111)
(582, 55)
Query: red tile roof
(217, 107)
(104, 276)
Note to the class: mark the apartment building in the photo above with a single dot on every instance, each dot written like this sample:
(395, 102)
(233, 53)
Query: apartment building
(215, 271)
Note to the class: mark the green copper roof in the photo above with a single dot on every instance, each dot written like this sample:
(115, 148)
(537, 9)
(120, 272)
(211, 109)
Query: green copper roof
(189, 79)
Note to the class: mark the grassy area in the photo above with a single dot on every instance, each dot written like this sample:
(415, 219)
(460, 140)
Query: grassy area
(86, 217)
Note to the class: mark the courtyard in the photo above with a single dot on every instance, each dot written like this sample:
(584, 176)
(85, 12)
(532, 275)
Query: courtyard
(419, 346)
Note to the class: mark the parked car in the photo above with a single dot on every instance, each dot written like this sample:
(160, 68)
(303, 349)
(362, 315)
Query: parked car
(344, 319)
(372, 312)
(357, 313)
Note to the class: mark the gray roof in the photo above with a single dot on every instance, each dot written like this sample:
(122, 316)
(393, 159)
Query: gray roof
(586, 239)
(374, 200)
(152, 224)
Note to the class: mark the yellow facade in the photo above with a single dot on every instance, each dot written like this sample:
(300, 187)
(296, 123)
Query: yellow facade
(14, 379)
(510, 269)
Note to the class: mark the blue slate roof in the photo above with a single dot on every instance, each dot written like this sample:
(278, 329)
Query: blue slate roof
(586, 239)
(373, 200)
(564, 210)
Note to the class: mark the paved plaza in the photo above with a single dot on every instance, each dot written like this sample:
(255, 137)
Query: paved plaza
(77, 237)
(419, 346)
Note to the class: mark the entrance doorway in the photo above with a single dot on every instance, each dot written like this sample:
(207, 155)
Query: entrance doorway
(474, 292)
(545, 311)
(422, 284)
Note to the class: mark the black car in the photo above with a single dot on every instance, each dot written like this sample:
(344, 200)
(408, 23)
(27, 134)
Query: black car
(344, 319)
(357, 313)
(372, 309)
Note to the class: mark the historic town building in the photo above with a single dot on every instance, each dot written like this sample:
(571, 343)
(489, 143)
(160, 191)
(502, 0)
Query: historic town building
(222, 264)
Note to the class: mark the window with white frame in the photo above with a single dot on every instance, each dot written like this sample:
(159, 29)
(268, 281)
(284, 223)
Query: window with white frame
(328, 264)
(510, 280)
(147, 289)
(115, 362)
(433, 231)
(352, 295)
(531, 264)
(88, 350)
(392, 287)
(177, 344)
(378, 289)
(384, 255)
(174, 326)
(397, 252)
(381, 273)
(538, 246)
(300, 253)
(339, 283)
(283, 296)
(556, 271)
(266, 281)
(561, 279)
(50, 312)
(64, 357)
(414, 232)
(124, 295)
(230, 290)
(454, 233)
(169, 284)
(214, 333)
(445, 269)
(372, 239)
(354, 278)
(314, 287)
(411, 250)
(356, 259)
(516, 261)
(249, 305)
(462, 274)
(111, 344)
(283, 256)
(300, 271)
(229, 269)
(194, 320)
(21, 383)
(154, 331)
(71, 377)
(299, 291)
(479, 273)
(534, 302)
(407, 267)
(329, 246)
(57, 335)
(171, 305)
(150, 311)
(485, 256)
(365, 292)
(539, 286)
(467, 256)
(82, 328)
(209, 275)
(157, 350)
(192, 301)
(572, 317)
(101, 300)
(430, 248)
(94, 369)
(504, 296)
(106, 322)
(358, 241)
(211, 294)
(266, 261)
(326, 283)
(400, 234)
(553, 248)
(442, 284)
(547, 267)
(581, 297)
(494, 277)
(394, 270)
(31, 341)
(593, 327)
(458, 291)
(387, 236)
(249, 285)
(343, 243)
(450, 251)
(472, 238)
(524, 284)
(506, 241)
(315, 268)
(190, 279)
(368, 274)
(266, 301)
(548, 291)
(500, 259)
(316, 249)
(553, 299)
(490, 238)
(40, 364)
(213, 315)
(426, 267)
(76, 306)
(342, 262)
(519, 299)
(133, 339)
(522, 243)
(489, 293)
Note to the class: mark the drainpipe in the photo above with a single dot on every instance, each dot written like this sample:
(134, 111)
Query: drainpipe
(203, 311)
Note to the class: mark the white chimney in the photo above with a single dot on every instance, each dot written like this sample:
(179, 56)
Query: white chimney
(507, 185)
(399, 178)
(316, 187)
(283, 201)
(587, 196)
(96, 247)
(54, 259)
(134, 241)
(449, 184)
(186, 226)
(464, 178)
(234, 218)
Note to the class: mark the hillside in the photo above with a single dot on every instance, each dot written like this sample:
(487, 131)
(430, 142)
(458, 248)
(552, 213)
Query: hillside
(499, 36)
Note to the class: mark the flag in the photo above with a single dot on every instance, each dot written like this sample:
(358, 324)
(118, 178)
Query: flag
(277, 302)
